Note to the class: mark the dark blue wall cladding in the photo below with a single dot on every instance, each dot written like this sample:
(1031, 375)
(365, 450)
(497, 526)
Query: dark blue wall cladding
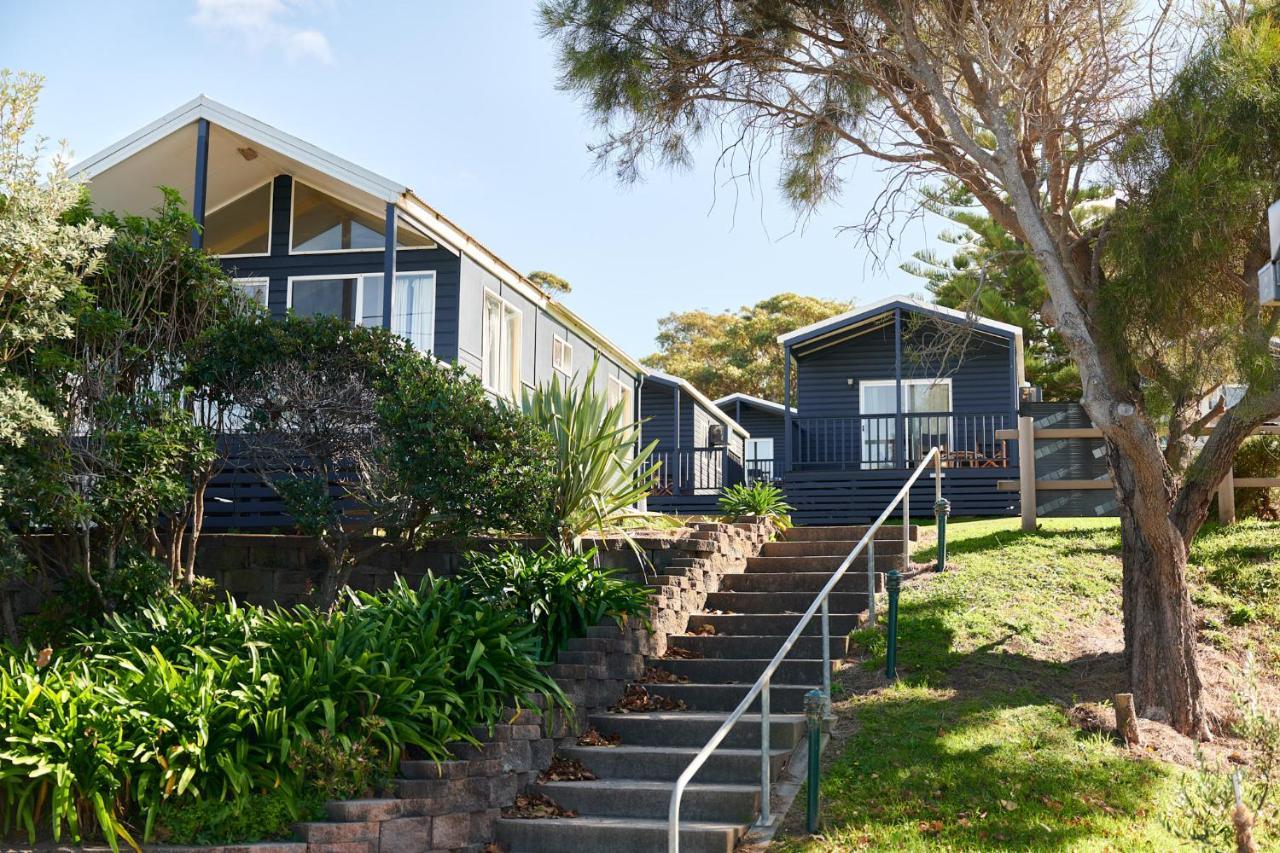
(759, 422)
(982, 378)
(658, 411)
(1070, 459)
(280, 265)
(855, 497)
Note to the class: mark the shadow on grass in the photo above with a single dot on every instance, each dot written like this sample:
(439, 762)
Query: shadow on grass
(935, 769)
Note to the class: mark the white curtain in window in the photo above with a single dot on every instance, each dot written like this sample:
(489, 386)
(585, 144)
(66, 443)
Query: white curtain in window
(413, 309)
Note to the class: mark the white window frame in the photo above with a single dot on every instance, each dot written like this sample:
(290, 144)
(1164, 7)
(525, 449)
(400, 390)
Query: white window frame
(293, 195)
(509, 310)
(271, 209)
(359, 280)
(559, 344)
(256, 281)
(618, 391)
(864, 384)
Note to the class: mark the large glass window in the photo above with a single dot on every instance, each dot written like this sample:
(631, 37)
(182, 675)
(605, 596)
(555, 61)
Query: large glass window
(413, 305)
(335, 297)
(926, 407)
(500, 357)
(322, 223)
(255, 289)
(241, 226)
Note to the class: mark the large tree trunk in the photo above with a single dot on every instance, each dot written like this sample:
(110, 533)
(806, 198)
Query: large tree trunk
(1159, 625)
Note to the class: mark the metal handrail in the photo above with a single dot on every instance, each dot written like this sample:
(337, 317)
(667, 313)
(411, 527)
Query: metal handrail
(761, 686)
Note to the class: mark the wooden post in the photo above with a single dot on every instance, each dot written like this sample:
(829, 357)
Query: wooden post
(1227, 499)
(1127, 720)
(1027, 470)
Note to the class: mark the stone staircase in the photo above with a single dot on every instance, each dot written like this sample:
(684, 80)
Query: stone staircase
(624, 810)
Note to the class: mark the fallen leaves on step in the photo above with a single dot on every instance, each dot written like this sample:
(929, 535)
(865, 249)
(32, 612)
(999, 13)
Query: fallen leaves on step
(654, 675)
(677, 653)
(704, 630)
(637, 699)
(592, 737)
(493, 847)
(535, 807)
(564, 769)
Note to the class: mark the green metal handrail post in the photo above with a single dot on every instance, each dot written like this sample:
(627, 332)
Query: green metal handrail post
(815, 708)
(893, 583)
(942, 509)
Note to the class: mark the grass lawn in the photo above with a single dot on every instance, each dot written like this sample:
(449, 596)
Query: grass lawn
(973, 748)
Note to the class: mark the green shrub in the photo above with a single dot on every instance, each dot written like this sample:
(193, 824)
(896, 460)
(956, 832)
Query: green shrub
(133, 582)
(598, 475)
(763, 499)
(1258, 457)
(258, 816)
(562, 595)
(182, 703)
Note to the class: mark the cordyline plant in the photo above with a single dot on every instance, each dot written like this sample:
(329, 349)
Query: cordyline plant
(599, 476)
(1023, 102)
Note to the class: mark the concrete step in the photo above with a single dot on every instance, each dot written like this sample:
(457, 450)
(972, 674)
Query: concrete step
(666, 763)
(853, 581)
(831, 548)
(648, 799)
(689, 728)
(730, 646)
(612, 834)
(742, 671)
(792, 565)
(775, 624)
(784, 698)
(846, 532)
(783, 602)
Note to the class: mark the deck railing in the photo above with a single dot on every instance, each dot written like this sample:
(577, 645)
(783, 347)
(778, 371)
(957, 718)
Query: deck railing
(870, 442)
(820, 604)
(695, 471)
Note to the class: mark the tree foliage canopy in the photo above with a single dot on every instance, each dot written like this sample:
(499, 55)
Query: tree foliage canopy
(736, 351)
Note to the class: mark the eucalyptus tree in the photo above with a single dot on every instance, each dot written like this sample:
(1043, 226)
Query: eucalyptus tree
(1024, 103)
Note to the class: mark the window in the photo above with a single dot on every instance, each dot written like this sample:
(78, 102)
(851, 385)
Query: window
(561, 355)
(255, 289)
(616, 392)
(500, 346)
(413, 306)
(759, 462)
(926, 408)
(241, 226)
(358, 299)
(322, 223)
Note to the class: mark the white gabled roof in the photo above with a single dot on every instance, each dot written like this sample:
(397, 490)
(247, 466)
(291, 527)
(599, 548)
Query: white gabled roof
(911, 304)
(738, 396)
(412, 208)
(687, 387)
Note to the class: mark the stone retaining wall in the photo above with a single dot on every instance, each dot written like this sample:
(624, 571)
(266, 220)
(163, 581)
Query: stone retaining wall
(452, 806)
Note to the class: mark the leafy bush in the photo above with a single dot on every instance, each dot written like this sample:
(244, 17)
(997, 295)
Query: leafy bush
(258, 816)
(357, 432)
(1258, 457)
(599, 476)
(562, 595)
(188, 704)
(763, 499)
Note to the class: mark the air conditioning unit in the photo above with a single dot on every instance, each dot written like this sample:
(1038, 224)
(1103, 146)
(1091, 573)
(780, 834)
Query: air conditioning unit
(715, 435)
(1268, 294)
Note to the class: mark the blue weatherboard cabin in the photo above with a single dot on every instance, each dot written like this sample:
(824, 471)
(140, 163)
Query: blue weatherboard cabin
(765, 421)
(876, 387)
(700, 447)
(303, 230)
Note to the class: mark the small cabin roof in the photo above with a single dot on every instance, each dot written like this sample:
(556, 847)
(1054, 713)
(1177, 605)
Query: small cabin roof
(833, 325)
(759, 402)
(663, 378)
(167, 145)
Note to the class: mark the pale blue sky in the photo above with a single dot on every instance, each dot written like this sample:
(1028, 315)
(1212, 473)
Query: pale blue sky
(456, 99)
